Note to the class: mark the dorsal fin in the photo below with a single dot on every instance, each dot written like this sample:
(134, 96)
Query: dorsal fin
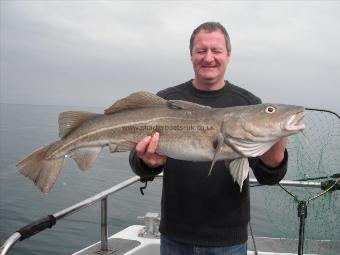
(181, 104)
(70, 120)
(136, 100)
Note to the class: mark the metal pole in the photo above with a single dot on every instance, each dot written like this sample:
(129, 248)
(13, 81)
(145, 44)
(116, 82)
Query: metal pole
(91, 200)
(104, 241)
(293, 183)
(9, 243)
(302, 214)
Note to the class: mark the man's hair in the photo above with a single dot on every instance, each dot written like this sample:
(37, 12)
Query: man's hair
(210, 27)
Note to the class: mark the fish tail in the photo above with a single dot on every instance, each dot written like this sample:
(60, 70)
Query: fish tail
(42, 171)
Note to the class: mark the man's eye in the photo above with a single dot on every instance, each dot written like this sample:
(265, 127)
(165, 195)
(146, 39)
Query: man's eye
(200, 52)
(218, 51)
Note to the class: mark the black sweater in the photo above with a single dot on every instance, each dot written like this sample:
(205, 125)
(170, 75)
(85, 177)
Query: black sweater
(202, 210)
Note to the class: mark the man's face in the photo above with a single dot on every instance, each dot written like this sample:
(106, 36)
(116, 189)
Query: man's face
(209, 57)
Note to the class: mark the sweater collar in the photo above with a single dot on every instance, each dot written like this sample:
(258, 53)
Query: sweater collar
(209, 93)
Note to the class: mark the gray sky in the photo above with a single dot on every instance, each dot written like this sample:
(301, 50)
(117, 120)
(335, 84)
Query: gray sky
(90, 53)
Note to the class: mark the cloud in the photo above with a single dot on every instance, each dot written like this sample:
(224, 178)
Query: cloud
(93, 52)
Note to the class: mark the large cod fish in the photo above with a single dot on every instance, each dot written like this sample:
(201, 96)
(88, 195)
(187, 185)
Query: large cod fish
(188, 131)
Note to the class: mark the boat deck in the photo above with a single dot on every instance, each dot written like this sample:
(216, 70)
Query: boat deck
(127, 242)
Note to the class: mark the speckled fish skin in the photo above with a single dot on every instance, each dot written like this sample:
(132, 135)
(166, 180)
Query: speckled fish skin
(187, 131)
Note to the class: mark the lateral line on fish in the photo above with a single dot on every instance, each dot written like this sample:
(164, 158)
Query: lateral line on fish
(106, 129)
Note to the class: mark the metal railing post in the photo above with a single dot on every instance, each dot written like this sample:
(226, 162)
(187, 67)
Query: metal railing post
(104, 235)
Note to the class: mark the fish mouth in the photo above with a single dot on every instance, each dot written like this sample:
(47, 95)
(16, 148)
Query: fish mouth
(294, 122)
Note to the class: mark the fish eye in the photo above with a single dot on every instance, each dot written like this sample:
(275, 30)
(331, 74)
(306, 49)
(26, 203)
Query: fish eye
(270, 109)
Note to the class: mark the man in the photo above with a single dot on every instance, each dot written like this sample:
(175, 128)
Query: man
(201, 214)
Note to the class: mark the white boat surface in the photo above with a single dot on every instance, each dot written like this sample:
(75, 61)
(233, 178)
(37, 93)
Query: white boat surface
(129, 242)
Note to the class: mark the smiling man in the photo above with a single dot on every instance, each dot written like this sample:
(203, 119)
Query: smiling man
(210, 57)
(201, 214)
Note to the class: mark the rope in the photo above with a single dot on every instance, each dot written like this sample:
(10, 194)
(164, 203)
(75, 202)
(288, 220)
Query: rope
(253, 238)
(323, 110)
(290, 193)
(320, 177)
(314, 197)
(325, 191)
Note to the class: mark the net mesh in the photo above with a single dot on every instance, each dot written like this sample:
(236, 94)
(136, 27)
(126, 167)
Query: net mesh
(314, 155)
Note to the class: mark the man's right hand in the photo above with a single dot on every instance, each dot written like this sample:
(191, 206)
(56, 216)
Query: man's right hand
(146, 151)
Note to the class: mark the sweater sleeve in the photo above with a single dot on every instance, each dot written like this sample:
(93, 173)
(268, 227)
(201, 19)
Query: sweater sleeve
(268, 175)
(141, 169)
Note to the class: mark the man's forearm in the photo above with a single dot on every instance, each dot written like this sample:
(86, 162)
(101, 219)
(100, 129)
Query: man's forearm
(275, 155)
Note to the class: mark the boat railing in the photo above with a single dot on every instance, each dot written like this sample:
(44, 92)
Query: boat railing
(50, 220)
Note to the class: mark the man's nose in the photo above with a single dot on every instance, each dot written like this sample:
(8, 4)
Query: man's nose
(208, 57)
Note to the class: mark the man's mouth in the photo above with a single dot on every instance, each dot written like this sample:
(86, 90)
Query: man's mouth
(209, 67)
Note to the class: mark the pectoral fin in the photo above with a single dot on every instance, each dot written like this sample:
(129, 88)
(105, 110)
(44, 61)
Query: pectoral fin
(239, 170)
(85, 157)
(218, 146)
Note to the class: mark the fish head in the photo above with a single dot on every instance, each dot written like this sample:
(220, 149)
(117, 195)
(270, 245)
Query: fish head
(263, 122)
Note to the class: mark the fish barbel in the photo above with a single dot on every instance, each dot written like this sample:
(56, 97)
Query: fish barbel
(188, 131)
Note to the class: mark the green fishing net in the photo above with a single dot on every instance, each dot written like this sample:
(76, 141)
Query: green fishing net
(314, 156)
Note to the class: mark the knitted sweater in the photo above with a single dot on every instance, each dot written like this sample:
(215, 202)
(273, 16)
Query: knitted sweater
(199, 209)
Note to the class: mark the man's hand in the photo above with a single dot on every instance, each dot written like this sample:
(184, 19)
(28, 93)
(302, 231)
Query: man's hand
(274, 156)
(146, 151)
